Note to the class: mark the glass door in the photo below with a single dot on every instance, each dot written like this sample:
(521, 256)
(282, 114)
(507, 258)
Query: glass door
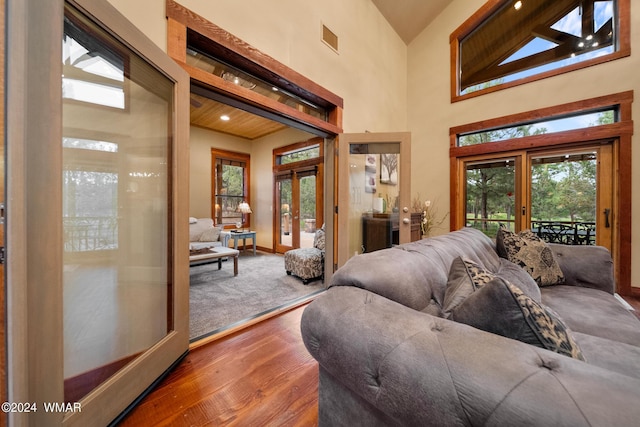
(563, 195)
(373, 192)
(106, 251)
(296, 210)
(492, 195)
(571, 195)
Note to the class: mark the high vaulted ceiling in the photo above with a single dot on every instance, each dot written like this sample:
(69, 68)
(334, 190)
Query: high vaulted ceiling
(407, 17)
(410, 17)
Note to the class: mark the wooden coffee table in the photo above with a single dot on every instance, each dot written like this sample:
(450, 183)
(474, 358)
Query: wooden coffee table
(218, 253)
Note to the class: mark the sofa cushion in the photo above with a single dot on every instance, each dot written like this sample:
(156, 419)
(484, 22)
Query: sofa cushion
(502, 308)
(608, 354)
(593, 312)
(531, 253)
(210, 235)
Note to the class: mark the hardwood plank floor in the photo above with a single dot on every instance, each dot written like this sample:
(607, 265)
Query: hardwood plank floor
(259, 376)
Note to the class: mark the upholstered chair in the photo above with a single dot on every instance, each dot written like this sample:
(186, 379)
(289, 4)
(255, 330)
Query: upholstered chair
(307, 263)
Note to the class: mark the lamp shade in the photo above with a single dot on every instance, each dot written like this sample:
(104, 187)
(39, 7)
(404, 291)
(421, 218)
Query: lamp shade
(244, 208)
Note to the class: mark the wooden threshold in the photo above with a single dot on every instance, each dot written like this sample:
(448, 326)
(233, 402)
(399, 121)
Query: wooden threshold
(262, 375)
(247, 323)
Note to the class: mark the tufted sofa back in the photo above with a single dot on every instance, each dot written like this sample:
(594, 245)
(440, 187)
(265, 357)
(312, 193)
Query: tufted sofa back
(417, 270)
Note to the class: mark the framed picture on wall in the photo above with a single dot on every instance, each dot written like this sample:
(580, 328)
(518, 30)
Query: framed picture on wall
(389, 169)
(370, 173)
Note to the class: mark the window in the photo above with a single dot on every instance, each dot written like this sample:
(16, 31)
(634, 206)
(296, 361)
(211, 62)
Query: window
(540, 127)
(230, 186)
(507, 43)
(571, 186)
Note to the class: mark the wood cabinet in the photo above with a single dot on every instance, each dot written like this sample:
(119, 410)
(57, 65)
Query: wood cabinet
(380, 231)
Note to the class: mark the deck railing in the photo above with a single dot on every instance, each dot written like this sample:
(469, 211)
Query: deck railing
(82, 234)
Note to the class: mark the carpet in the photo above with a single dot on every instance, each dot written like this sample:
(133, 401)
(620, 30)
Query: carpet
(217, 299)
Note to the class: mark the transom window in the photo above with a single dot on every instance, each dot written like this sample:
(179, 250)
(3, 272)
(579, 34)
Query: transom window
(539, 127)
(509, 42)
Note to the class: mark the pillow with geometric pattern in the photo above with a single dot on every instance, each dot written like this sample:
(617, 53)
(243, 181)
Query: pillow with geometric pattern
(465, 277)
(502, 308)
(531, 253)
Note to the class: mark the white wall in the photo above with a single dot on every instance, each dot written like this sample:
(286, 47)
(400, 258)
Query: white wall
(431, 113)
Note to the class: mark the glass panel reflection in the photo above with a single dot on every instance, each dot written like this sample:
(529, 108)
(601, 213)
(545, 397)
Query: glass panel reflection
(491, 193)
(374, 171)
(116, 205)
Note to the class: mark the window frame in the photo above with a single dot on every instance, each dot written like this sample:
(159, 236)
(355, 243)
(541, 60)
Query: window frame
(485, 12)
(217, 155)
(621, 130)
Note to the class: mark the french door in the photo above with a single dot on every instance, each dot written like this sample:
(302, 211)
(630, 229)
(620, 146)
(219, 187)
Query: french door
(297, 210)
(565, 195)
(98, 196)
(374, 192)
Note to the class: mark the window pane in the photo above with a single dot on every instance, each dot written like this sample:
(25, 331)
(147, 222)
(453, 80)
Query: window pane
(563, 198)
(116, 207)
(545, 126)
(526, 38)
(308, 153)
(491, 195)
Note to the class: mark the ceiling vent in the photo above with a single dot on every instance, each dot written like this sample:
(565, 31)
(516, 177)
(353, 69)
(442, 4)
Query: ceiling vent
(330, 38)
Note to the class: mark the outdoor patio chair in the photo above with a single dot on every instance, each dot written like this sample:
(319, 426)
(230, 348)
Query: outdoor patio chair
(307, 263)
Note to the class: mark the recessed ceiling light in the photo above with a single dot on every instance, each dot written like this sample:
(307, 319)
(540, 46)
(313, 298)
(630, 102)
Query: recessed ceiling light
(225, 118)
(517, 5)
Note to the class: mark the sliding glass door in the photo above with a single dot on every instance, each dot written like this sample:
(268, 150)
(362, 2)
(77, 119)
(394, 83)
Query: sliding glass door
(98, 221)
(564, 195)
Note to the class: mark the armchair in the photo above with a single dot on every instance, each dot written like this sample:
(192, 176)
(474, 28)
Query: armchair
(307, 263)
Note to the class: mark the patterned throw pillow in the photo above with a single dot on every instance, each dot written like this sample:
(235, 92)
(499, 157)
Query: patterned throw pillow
(465, 277)
(531, 253)
(318, 239)
(502, 308)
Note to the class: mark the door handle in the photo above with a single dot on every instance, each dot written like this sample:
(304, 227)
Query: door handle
(606, 218)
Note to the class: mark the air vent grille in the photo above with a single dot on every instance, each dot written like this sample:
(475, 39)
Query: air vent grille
(330, 38)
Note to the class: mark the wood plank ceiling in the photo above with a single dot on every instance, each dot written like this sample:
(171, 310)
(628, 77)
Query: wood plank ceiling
(207, 113)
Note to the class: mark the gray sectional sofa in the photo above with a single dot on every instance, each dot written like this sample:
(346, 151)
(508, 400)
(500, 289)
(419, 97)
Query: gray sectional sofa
(392, 350)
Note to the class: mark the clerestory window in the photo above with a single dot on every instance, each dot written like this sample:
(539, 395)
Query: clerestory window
(508, 43)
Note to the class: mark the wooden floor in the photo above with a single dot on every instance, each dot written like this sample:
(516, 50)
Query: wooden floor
(257, 377)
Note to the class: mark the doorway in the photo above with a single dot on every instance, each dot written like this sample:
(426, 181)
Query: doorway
(564, 195)
(299, 196)
(374, 195)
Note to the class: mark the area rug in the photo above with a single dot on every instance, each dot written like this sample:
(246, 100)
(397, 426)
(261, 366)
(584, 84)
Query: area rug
(218, 299)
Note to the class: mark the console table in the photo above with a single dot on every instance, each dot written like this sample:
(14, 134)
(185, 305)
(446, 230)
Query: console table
(244, 235)
(381, 231)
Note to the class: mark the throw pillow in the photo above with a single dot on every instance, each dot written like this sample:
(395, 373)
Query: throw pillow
(319, 239)
(502, 308)
(210, 235)
(465, 277)
(531, 253)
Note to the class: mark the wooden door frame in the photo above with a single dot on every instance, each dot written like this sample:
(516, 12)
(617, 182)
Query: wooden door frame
(344, 143)
(303, 165)
(622, 131)
(238, 53)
